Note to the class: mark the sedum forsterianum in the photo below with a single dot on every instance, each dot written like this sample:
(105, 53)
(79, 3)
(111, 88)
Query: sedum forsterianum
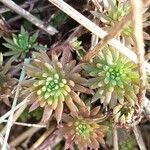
(22, 43)
(123, 114)
(113, 75)
(113, 13)
(83, 130)
(7, 82)
(53, 84)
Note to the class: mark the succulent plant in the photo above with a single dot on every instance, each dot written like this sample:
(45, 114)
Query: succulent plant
(123, 114)
(77, 47)
(53, 84)
(58, 19)
(129, 144)
(115, 11)
(7, 82)
(113, 75)
(83, 130)
(21, 44)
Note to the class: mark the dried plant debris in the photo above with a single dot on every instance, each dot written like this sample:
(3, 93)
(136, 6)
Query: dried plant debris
(113, 12)
(7, 82)
(72, 104)
(123, 114)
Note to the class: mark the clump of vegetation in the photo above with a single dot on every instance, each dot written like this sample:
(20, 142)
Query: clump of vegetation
(83, 130)
(112, 74)
(20, 44)
(70, 95)
(53, 84)
(115, 11)
(7, 82)
(123, 114)
(78, 48)
(129, 144)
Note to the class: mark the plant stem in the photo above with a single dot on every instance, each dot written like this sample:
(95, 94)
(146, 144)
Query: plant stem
(24, 102)
(137, 19)
(115, 138)
(43, 137)
(139, 138)
(113, 32)
(23, 136)
(63, 6)
(10, 120)
(27, 124)
(22, 12)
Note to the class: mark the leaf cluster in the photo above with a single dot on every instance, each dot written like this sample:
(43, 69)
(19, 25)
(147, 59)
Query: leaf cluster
(20, 44)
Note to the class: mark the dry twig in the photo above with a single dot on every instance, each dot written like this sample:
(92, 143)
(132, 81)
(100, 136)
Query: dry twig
(113, 32)
(15, 117)
(95, 38)
(10, 120)
(95, 29)
(137, 7)
(24, 102)
(23, 136)
(115, 139)
(97, 4)
(40, 24)
(42, 138)
(139, 138)
(27, 124)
